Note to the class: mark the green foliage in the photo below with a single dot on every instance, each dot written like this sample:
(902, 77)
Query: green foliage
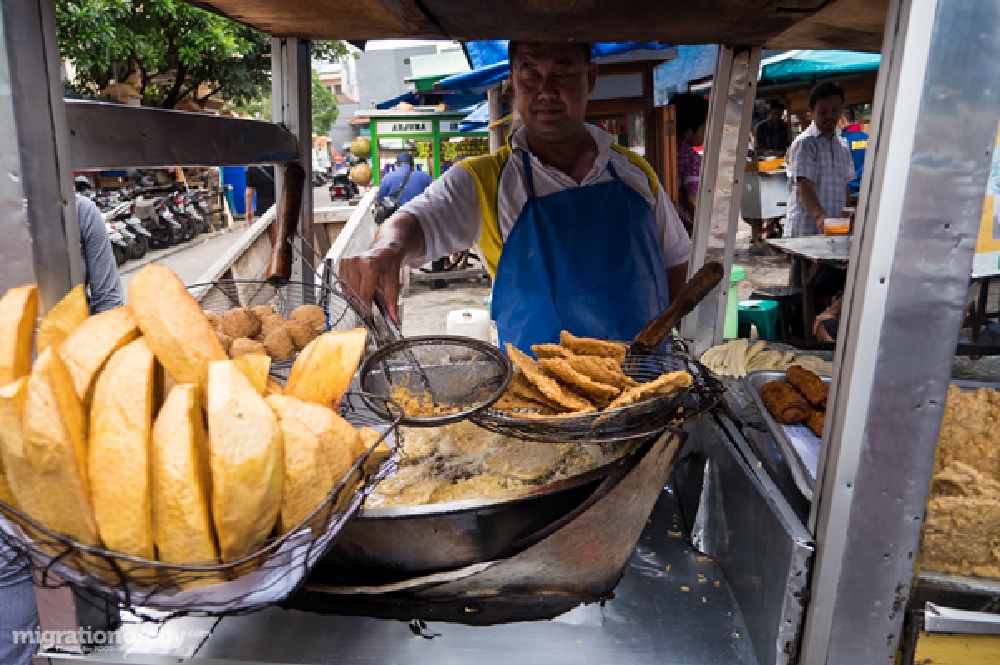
(324, 107)
(172, 49)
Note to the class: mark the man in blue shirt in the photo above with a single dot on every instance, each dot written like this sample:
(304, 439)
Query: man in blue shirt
(857, 141)
(391, 182)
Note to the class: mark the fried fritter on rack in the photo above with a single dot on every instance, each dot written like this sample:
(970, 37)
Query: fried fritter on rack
(602, 370)
(550, 351)
(546, 384)
(586, 346)
(809, 384)
(665, 384)
(598, 393)
(523, 389)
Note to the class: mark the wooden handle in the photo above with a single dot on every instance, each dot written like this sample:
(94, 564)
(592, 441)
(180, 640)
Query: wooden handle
(692, 293)
(279, 269)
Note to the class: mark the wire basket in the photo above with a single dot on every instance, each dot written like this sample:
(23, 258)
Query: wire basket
(635, 421)
(340, 309)
(157, 591)
(436, 380)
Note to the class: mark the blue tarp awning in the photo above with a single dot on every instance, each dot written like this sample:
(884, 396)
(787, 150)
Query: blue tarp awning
(490, 66)
(807, 65)
(692, 63)
(477, 121)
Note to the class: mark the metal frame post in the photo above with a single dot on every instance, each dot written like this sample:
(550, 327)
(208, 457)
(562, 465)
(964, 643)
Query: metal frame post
(936, 117)
(720, 192)
(494, 99)
(291, 99)
(41, 238)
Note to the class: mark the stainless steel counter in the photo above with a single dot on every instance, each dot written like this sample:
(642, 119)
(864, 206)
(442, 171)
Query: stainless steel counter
(672, 607)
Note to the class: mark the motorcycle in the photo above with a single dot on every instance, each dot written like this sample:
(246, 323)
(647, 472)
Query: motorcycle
(178, 228)
(125, 213)
(341, 185)
(119, 248)
(194, 213)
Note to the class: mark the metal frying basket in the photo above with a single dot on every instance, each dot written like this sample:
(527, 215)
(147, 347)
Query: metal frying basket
(642, 419)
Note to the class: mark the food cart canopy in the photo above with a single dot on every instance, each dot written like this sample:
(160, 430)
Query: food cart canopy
(807, 65)
(692, 63)
(490, 66)
(477, 121)
(847, 24)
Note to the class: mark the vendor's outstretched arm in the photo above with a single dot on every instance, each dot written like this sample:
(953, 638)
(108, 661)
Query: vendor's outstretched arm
(398, 241)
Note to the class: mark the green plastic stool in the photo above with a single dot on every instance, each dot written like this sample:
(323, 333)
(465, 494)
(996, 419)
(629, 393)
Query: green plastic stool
(765, 315)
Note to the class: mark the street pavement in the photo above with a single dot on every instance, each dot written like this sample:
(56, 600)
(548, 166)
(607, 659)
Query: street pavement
(191, 259)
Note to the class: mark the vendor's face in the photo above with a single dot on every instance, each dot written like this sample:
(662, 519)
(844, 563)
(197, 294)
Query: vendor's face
(827, 112)
(775, 115)
(551, 85)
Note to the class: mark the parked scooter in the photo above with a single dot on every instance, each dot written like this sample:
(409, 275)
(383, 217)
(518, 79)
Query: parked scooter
(124, 213)
(341, 185)
(119, 248)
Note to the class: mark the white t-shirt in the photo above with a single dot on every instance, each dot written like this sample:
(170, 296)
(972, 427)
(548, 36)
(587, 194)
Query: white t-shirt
(450, 218)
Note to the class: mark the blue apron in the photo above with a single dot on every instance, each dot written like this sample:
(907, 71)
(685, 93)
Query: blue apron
(585, 259)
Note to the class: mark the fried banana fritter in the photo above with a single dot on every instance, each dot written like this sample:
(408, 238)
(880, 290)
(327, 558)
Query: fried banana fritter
(551, 351)
(585, 346)
(666, 383)
(520, 387)
(602, 370)
(597, 392)
(809, 384)
(546, 384)
(511, 402)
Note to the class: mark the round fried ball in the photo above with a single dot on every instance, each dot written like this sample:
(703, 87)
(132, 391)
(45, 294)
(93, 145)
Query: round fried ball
(225, 340)
(262, 310)
(213, 318)
(240, 322)
(245, 346)
(301, 333)
(312, 314)
(269, 324)
(279, 345)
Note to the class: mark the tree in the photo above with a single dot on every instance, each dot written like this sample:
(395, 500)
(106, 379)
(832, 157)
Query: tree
(168, 49)
(324, 107)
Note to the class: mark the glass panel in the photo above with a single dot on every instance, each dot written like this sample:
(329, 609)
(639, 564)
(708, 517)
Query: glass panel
(421, 149)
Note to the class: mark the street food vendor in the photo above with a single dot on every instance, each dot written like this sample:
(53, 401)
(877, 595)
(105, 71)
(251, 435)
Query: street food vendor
(577, 232)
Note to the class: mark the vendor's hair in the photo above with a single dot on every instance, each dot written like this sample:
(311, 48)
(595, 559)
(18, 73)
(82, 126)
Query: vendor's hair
(824, 90)
(776, 105)
(512, 47)
(691, 109)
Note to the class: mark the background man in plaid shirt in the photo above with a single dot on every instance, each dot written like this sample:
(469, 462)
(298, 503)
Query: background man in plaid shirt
(819, 165)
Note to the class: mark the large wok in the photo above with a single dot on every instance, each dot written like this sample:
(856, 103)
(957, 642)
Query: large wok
(385, 545)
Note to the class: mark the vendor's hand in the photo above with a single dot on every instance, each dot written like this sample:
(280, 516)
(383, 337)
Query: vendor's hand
(820, 218)
(377, 268)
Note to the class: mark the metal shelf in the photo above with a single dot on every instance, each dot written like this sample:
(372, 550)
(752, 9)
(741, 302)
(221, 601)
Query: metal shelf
(106, 136)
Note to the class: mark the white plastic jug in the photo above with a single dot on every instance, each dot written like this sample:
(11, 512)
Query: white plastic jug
(469, 322)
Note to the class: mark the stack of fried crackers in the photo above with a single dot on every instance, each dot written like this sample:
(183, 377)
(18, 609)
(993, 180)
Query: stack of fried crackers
(577, 376)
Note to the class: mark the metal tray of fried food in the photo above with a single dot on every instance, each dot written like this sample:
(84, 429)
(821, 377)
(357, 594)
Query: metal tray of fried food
(799, 446)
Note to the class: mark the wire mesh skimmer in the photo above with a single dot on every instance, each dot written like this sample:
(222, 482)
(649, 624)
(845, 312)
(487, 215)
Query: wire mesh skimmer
(436, 380)
(638, 420)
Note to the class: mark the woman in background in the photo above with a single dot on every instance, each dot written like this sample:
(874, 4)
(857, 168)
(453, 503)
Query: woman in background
(691, 115)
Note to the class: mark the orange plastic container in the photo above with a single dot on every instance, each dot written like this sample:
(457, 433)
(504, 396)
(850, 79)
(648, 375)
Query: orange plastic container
(835, 226)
